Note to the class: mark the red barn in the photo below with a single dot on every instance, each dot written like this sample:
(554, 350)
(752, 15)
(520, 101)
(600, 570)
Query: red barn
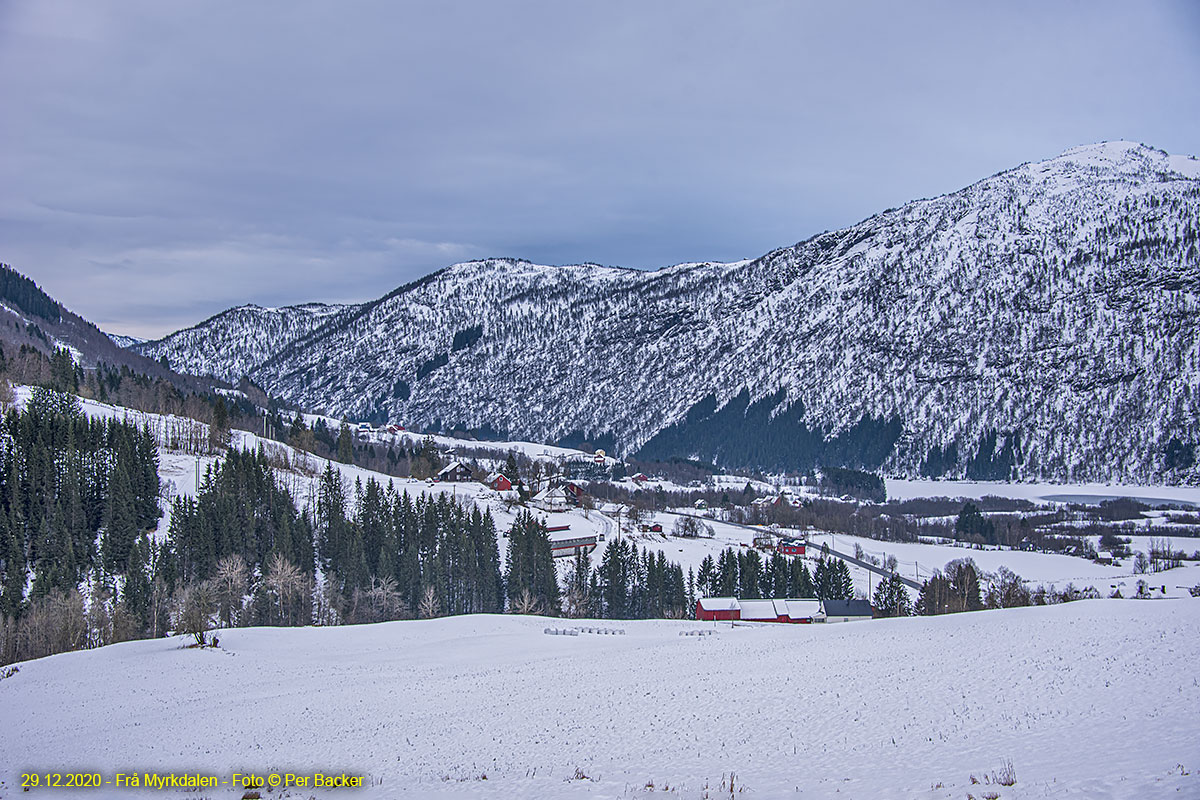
(718, 608)
(797, 610)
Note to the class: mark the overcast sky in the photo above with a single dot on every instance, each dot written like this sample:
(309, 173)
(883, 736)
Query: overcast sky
(160, 162)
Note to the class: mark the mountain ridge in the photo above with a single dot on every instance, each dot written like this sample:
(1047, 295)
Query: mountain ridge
(1013, 328)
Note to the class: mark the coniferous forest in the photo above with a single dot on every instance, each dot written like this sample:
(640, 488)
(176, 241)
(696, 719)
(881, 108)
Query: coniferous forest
(80, 565)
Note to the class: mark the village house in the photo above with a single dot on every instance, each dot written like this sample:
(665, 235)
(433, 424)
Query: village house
(499, 482)
(791, 547)
(718, 608)
(552, 499)
(574, 493)
(454, 472)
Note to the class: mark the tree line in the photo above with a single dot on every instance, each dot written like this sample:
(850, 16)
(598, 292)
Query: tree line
(79, 505)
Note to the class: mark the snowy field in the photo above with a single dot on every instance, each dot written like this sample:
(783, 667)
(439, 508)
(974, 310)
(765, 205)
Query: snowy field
(1096, 699)
(904, 489)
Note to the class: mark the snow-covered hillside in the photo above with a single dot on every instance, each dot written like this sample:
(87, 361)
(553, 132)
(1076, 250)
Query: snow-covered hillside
(121, 340)
(181, 474)
(231, 344)
(1085, 700)
(1038, 323)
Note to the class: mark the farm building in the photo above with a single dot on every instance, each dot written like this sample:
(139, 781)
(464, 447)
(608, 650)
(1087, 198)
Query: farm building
(553, 499)
(718, 608)
(499, 482)
(847, 610)
(764, 541)
(561, 548)
(455, 472)
(798, 610)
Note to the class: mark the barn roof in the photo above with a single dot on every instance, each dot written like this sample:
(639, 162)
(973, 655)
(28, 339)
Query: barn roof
(802, 608)
(847, 608)
(758, 609)
(719, 603)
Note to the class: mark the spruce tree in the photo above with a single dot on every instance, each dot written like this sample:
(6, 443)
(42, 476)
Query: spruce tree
(891, 598)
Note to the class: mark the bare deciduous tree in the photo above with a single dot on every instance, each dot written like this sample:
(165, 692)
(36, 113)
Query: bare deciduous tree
(285, 582)
(380, 603)
(229, 589)
(526, 603)
(429, 607)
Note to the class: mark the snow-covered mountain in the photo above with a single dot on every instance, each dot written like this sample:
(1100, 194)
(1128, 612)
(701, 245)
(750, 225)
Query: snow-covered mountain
(1041, 322)
(121, 340)
(235, 342)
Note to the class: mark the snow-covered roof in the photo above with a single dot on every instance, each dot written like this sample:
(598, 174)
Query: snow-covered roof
(719, 603)
(801, 608)
(555, 493)
(453, 465)
(758, 609)
(495, 476)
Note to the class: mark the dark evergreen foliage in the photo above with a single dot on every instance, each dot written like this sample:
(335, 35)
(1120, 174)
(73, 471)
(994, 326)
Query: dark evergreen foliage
(427, 367)
(997, 458)
(25, 295)
(466, 337)
(743, 434)
(240, 510)
(862, 485)
(638, 585)
(891, 598)
(530, 576)
(64, 480)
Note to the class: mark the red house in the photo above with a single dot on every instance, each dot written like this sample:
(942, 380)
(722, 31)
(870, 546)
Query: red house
(499, 482)
(574, 493)
(790, 547)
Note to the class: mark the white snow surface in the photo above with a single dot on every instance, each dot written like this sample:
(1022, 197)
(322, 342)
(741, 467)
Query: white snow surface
(906, 489)
(1096, 699)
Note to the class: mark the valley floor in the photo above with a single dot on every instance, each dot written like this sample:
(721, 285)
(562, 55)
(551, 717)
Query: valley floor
(1095, 699)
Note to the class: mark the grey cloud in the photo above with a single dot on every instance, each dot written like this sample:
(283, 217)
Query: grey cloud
(164, 161)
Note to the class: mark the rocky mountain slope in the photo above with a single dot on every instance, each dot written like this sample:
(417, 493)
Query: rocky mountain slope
(1040, 323)
(234, 343)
